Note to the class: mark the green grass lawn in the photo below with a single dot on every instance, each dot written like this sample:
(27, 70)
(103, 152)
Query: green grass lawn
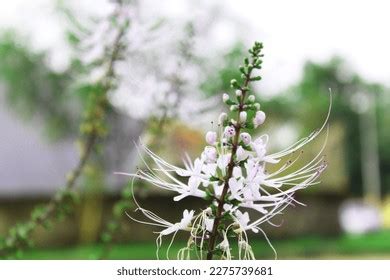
(374, 245)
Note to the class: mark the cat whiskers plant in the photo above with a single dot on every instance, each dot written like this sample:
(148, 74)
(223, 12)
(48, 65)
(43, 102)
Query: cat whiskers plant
(231, 176)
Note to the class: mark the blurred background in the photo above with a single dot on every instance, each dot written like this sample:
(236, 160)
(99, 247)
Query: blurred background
(161, 67)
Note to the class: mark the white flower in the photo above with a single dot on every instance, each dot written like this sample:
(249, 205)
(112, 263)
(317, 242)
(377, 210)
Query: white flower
(248, 201)
(243, 219)
(251, 98)
(211, 137)
(235, 187)
(229, 132)
(225, 247)
(160, 222)
(256, 176)
(182, 225)
(192, 189)
(229, 208)
(223, 161)
(166, 180)
(259, 118)
(209, 224)
(238, 93)
(236, 176)
(241, 154)
(217, 189)
(209, 171)
(192, 169)
(246, 138)
(237, 173)
(259, 146)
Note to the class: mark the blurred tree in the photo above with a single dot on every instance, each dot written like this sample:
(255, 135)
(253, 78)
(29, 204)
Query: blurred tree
(225, 70)
(92, 129)
(310, 97)
(383, 113)
(35, 91)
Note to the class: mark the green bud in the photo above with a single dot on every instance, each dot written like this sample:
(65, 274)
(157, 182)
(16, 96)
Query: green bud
(257, 78)
(230, 102)
(233, 108)
(234, 84)
(251, 98)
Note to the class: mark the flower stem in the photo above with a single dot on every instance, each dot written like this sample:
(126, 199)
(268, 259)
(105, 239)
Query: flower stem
(221, 201)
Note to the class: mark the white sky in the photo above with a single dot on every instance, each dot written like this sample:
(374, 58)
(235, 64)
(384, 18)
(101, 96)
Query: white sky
(292, 31)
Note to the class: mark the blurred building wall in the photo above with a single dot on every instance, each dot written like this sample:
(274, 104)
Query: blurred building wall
(29, 164)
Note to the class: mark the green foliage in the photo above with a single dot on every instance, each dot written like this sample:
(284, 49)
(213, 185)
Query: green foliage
(218, 81)
(311, 96)
(33, 90)
(43, 91)
(372, 245)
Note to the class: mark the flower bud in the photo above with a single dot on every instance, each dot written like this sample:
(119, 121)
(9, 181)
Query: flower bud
(246, 138)
(233, 107)
(251, 98)
(229, 131)
(222, 117)
(259, 118)
(210, 154)
(257, 106)
(243, 117)
(225, 97)
(234, 84)
(211, 137)
(238, 93)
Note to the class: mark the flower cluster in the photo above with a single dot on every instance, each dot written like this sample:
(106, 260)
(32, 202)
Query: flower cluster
(231, 174)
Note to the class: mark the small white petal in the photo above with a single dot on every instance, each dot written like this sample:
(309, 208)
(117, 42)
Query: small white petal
(209, 224)
(237, 172)
(241, 154)
(223, 161)
(243, 218)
